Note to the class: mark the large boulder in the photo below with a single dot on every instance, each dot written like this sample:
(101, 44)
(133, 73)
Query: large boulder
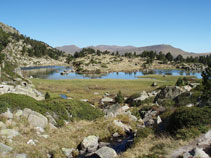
(169, 92)
(36, 119)
(105, 152)
(90, 143)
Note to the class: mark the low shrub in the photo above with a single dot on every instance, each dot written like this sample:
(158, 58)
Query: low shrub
(187, 118)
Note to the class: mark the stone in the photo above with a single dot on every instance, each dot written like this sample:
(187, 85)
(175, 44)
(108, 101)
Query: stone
(190, 105)
(31, 142)
(205, 139)
(84, 100)
(19, 113)
(116, 134)
(90, 143)
(142, 97)
(169, 92)
(154, 84)
(106, 100)
(199, 153)
(2, 125)
(52, 127)
(39, 129)
(125, 127)
(113, 110)
(26, 112)
(68, 152)
(187, 155)
(36, 119)
(7, 114)
(187, 88)
(21, 156)
(158, 120)
(105, 152)
(4, 148)
(10, 133)
(51, 119)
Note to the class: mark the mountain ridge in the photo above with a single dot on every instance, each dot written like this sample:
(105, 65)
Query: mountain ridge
(71, 49)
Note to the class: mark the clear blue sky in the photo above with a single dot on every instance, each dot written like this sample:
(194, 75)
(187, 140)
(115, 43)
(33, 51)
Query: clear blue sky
(185, 24)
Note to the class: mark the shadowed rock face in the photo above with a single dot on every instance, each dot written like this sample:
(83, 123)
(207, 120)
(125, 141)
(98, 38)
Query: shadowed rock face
(71, 49)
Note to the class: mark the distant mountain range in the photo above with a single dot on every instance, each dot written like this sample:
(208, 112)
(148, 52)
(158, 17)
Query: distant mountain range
(71, 49)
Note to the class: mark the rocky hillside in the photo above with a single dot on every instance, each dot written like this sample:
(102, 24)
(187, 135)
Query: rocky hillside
(21, 50)
(71, 49)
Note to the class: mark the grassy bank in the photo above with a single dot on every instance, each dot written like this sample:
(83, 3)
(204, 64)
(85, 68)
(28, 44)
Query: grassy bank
(85, 88)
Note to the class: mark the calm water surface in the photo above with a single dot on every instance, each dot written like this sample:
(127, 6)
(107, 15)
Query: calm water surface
(54, 73)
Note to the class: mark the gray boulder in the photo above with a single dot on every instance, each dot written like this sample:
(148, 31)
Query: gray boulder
(142, 97)
(4, 148)
(36, 119)
(105, 152)
(168, 93)
(90, 143)
(10, 133)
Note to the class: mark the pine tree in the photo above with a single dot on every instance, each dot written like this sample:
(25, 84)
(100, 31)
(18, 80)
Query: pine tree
(206, 74)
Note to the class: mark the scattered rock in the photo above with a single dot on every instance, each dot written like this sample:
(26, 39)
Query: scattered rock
(189, 105)
(68, 152)
(4, 148)
(106, 100)
(90, 143)
(154, 84)
(36, 119)
(32, 142)
(105, 152)
(84, 100)
(21, 156)
(169, 92)
(158, 120)
(125, 127)
(2, 125)
(7, 114)
(142, 97)
(19, 113)
(199, 153)
(10, 133)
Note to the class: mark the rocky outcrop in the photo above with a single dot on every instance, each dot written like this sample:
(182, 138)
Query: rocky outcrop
(169, 92)
(22, 89)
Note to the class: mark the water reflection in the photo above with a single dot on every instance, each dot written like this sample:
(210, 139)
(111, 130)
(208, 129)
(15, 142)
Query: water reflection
(54, 73)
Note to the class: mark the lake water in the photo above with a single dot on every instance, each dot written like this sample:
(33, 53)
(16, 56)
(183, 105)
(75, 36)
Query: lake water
(54, 73)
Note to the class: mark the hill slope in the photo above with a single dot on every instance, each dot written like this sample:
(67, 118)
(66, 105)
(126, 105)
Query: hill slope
(123, 49)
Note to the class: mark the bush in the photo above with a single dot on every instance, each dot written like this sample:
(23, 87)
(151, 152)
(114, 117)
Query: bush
(185, 117)
(3, 107)
(119, 98)
(130, 100)
(144, 132)
(182, 81)
(47, 95)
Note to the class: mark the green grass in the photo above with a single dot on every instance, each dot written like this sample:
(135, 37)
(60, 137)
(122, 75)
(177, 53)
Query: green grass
(85, 88)
(62, 108)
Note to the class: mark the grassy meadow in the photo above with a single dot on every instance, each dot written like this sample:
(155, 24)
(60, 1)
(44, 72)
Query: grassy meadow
(87, 88)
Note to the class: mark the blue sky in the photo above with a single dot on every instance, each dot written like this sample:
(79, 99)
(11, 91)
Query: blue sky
(185, 24)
